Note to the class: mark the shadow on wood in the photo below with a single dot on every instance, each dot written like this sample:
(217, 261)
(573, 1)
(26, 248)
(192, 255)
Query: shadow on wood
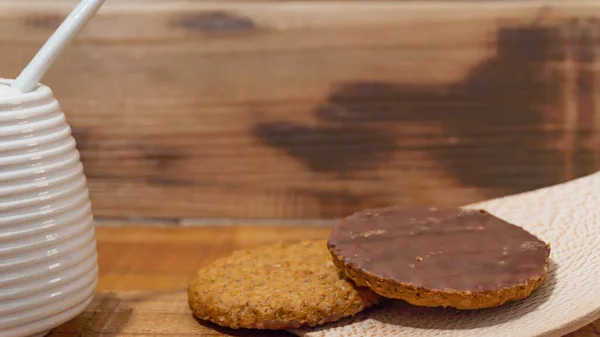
(523, 119)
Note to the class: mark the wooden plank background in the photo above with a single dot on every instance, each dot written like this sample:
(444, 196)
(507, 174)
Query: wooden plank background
(314, 109)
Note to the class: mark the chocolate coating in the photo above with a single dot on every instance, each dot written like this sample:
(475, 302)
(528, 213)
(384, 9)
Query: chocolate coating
(439, 249)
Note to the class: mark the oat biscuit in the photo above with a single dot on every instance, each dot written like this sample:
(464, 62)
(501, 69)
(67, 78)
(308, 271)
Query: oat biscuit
(466, 259)
(279, 286)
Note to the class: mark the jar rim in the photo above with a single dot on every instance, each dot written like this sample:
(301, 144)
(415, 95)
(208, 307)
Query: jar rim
(40, 92)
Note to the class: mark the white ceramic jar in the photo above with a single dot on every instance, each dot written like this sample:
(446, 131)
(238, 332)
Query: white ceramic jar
(48, 265)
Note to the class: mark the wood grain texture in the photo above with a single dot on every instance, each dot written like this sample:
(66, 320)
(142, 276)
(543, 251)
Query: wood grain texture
(143, 258)
(302, 109)
(144, 272)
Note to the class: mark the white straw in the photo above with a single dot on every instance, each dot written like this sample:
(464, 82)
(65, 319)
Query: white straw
(36, 69)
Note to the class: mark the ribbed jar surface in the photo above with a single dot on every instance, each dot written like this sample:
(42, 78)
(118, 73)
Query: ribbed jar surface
(48, 268)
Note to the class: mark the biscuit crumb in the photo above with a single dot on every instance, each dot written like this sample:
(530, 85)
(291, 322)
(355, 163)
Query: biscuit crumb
(373, 232)
(531, 245)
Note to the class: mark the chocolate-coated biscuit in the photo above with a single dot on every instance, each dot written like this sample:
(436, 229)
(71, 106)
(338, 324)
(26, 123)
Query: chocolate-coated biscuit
(279, 286)
(466, 259)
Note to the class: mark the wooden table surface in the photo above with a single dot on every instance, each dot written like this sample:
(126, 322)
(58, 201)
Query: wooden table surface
(144, 272)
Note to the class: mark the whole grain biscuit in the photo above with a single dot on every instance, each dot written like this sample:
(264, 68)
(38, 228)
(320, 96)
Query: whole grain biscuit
(466, 259)
(279, 286)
